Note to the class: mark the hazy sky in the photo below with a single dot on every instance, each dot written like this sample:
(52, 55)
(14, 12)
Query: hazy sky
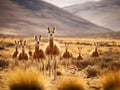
(62, 3)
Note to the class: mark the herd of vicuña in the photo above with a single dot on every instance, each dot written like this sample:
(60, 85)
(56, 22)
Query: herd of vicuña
(47, 58)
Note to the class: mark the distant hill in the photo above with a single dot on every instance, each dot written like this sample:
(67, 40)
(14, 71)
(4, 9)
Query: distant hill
(105, 13)
(30, 17)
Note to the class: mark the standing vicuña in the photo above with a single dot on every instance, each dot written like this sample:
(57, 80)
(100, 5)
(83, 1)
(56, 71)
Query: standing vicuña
(23, 56)
(52, 49)
(79, 57)
(94, 52)
(39, 54)
(67, 55)
(15, 53)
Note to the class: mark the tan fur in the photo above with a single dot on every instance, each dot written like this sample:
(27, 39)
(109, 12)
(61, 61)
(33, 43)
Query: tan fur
(52, 49)
(36, 53)
(55, 50)
(67, 55)
(15, 52)
(39, 54)
(79, 57)
(23, 56)
(94, 52)
(42, 54)
(30, 52)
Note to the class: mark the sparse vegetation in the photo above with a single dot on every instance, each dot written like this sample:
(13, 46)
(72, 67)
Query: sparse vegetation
(92, 71)
(111, 81)
(88, 67)
(26, 80)
(3, 64)
(72, 83)
(59, 72)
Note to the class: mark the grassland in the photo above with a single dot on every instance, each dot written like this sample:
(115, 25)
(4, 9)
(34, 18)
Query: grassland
(90, 69)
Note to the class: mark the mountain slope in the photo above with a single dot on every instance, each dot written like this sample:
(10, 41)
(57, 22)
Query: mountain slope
(30, 17)
(105, 13)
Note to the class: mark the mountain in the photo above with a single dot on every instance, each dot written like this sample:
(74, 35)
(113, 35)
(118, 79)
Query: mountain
(30, 17)
(105, 13)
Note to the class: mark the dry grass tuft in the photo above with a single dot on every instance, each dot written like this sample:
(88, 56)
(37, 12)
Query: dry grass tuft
(111, 81)
(3, 64)
(72, 83)
(92, 71)
(59, 72)
(26, 80)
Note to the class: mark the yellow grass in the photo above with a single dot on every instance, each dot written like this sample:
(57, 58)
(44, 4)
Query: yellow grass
(111, 81)
(26, 80)
(16, 76)
(72, 83)
(73, 47)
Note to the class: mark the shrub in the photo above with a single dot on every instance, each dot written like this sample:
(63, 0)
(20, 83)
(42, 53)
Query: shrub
(92, 71)
(111, 81)
(59, 72)
(84, 63)
(115, 65)
(26, 80)
(3, 64)
(71, 83)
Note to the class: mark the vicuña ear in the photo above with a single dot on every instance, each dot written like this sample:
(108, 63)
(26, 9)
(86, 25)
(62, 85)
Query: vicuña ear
(48, 30)
(94, 44)
(65, 44)
(54, 30)
(97, 44)
(25, 42)
(39, 37)
(79, 48)
(15, 42)
(20, 42)
(35, 37)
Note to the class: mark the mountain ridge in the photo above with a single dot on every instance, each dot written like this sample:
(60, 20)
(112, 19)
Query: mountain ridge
(31, 17)
(104, 13)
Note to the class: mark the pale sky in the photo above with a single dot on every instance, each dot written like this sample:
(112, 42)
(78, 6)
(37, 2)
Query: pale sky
(63, 3)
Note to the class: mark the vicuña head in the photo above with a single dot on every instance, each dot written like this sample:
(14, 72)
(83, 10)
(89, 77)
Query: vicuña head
(51, 31)
(37, 39)
(23, 55)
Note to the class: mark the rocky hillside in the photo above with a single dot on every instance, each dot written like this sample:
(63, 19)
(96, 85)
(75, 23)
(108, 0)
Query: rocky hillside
(30, 17)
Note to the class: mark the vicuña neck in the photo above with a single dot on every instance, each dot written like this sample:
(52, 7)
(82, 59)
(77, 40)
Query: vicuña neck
(51, 41)
(66, 49)
(96, 49)
(23, 51)
(36, 47)
(16, 49)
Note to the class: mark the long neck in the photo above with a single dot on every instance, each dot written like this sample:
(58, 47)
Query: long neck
(51, 42)
(16, 49)
(36, 47)
(79, 53)
(95, 49)
(23, 50)
(66, 49)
